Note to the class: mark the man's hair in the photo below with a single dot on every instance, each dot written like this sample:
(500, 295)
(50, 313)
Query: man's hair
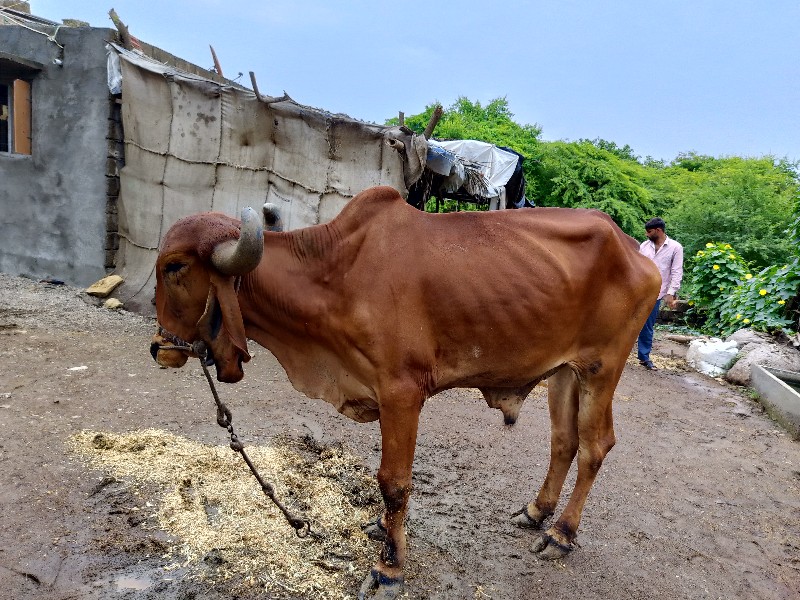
(656, 223)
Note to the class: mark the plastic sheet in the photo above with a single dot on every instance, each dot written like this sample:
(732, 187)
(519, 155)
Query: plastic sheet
(114, 71)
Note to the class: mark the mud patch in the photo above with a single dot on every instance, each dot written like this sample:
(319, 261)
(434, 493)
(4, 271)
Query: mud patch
(694, 502)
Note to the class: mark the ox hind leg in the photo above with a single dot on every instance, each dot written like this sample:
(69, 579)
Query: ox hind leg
(593, 423)
(399, 420)
(562, 400)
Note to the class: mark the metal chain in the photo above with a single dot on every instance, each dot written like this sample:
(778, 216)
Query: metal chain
(302, 527)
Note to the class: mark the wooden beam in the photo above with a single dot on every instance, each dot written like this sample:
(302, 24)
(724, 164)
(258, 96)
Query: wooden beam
(397, 145)
(22, 117)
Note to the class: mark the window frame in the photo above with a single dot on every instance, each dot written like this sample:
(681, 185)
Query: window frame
(17, 76)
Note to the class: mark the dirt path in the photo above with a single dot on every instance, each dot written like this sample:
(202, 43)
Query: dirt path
(699, 499)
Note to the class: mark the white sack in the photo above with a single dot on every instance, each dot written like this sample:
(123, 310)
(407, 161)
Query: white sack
(712, 356)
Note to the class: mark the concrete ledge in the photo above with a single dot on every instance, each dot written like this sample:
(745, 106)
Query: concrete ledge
(20, 63)
(778, 397)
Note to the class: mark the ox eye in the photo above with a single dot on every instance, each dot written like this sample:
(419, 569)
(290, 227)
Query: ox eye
(173, 267)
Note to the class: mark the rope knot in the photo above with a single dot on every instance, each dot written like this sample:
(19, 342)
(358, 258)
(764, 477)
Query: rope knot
(224, 416)
(302, 527)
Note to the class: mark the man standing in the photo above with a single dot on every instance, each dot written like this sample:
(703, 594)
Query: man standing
(668, 256)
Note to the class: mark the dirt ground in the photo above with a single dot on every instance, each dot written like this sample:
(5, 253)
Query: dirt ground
(700, 498)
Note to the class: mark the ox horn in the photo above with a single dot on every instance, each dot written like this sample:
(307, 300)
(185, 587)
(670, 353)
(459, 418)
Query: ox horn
(237, 257)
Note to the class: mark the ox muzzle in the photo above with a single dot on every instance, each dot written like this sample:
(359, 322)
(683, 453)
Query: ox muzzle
(170, 350)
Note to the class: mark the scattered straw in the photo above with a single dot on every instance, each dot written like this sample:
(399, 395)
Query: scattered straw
(665, 363)
(226, 529)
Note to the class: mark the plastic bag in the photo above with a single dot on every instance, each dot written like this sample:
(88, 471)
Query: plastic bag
(114, 71)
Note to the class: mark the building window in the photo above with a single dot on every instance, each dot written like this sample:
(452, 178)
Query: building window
(15, 116)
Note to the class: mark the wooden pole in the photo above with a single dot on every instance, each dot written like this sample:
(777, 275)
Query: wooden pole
(255, 85)
(401, 117)
(437, 114)
(217, 67)
(124, 34)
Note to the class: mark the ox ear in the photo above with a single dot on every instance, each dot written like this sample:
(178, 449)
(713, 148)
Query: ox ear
(272, 217)
(225, 292)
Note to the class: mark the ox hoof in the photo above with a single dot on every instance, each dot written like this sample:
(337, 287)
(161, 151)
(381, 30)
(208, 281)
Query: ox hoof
(525, 520)
(385, 588)
(375, 530)
(549, 548)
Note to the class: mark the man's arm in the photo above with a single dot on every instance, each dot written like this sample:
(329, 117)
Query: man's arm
(675, 276)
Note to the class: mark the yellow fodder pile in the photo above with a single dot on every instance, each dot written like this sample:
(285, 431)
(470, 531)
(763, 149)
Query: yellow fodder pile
(223, 525)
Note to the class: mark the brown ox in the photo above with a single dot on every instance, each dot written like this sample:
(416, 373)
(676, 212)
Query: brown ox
(385, 306)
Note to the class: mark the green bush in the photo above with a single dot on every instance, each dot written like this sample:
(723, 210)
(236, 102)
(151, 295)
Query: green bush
(581, 174)
(714, 273)
(727, 296)
(762, 301)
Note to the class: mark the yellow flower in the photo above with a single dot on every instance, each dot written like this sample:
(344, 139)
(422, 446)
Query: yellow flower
(748, 276)
(727, 246)
(762, 292)
(691, 302)
(731, 256)
(781, 302)
(709, 245)
(738, 316)
(700, 253)
(746, 321)
(715, 267)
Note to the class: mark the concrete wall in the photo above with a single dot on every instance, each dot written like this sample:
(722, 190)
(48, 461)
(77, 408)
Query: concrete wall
(53, 203)
(778, 397)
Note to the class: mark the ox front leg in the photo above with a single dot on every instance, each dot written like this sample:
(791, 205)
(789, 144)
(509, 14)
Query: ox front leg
(399, 419)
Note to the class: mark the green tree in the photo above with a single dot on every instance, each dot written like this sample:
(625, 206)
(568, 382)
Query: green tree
(593, 174)
(582, 174)
(624, 152)
(745, 202)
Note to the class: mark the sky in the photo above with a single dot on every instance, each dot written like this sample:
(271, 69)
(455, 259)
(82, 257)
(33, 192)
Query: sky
(715, 77)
